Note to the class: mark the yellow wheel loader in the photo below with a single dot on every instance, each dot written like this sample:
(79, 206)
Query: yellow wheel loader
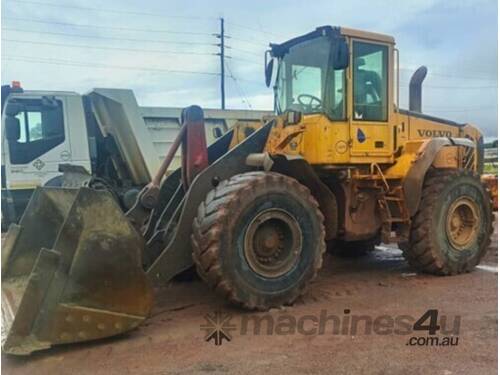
(339, 164)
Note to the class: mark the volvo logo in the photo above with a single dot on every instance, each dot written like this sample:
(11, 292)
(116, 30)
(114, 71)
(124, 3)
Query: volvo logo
(434, 133)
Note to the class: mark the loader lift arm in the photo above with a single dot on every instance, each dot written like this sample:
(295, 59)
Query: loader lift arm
(168, 248)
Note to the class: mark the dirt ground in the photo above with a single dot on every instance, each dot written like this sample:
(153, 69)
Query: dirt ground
(172, 342)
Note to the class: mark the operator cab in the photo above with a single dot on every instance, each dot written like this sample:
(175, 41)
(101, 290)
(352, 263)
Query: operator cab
(312, 75)
(341, 76)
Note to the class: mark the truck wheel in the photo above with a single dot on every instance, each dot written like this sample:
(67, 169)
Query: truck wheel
(259, 239)
(353, 249)
(451, 231)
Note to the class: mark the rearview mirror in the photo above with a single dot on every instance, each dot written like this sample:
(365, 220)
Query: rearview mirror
(340, 54)
(12, 128)
(13, 109)
(269, 68)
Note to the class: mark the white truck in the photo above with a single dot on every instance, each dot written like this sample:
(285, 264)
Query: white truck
(104, 136)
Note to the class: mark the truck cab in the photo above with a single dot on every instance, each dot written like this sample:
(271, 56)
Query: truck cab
(103, 136)
(37, 137)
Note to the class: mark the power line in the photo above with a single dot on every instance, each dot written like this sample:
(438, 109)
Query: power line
(453, 87)
(106, 37)
(247, 51)
(262, 45)
(455, 76)
(108, 48)
(49, 61)
(462, 77)
(254, 82)
(471, 109)
(160, 70)
(265, 32)
(114, 11)
(118, 28)
(244, 60)
(103, 66)
(446, 68)
(239, 88)
(30, 59)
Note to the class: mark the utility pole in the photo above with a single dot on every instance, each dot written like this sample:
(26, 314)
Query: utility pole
(222, 73)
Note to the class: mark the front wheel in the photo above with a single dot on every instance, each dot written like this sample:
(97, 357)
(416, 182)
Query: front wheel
(259, 239)
(451, 230)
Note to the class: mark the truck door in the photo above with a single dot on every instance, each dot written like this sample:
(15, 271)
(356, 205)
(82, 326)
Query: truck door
(371, 93)
(34, 158)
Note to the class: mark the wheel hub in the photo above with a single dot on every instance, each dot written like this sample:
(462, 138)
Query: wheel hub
(462, 223)
(273, 243)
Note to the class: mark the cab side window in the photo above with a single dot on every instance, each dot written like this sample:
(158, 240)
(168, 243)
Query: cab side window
(337, 93)
(41, 128)
(370, 81)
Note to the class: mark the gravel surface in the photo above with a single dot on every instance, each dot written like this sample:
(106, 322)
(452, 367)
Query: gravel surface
(172, 341)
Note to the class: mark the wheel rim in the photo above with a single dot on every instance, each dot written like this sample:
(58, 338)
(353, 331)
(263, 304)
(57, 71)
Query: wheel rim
(273, 243)
(462, 223)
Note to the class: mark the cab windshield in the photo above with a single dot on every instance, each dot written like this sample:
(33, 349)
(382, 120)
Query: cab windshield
(308, 83)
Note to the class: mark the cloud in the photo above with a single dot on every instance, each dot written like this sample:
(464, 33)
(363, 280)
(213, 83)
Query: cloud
(454, 39)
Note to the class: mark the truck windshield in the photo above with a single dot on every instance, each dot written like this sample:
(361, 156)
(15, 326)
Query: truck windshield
(308, 83)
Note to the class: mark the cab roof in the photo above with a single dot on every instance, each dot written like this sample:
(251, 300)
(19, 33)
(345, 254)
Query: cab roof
(367, 35)
(278, 50)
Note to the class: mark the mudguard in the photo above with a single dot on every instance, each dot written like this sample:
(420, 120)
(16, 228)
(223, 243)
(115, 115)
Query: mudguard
(414, 179)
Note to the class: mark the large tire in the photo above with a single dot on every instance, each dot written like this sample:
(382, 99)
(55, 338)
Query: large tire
(451, 230)
(231, 232)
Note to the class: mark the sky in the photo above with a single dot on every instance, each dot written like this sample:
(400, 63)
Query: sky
(166, 50)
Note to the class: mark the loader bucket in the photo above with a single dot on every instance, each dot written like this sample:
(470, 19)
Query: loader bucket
(71, 271)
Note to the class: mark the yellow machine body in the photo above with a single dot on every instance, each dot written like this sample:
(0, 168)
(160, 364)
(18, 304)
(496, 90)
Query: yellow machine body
(324, 142)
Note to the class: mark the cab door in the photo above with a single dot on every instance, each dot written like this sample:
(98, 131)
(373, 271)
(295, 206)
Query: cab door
(371, 95)
(34, 157)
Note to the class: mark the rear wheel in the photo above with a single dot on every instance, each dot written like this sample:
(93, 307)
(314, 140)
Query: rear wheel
(258, 239)
(451, 231)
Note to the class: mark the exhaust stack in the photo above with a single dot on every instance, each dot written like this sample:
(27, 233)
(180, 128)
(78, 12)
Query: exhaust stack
(415, 100)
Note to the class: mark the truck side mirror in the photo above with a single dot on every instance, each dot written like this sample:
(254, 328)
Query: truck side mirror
(340, 54)
(12, 128)
(269, 72)
(13, 109)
